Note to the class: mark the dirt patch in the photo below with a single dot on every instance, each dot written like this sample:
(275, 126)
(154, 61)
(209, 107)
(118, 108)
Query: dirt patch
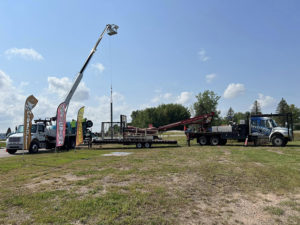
(54, 181)
(275, 151)
(259, 164)
(240, 209)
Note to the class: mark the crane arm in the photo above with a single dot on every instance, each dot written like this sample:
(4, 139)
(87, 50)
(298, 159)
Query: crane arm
(194, 120)
(111, 29)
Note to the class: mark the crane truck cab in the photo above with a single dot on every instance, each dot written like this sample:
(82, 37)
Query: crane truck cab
(267, 128)
(38, 139)
(43, 135)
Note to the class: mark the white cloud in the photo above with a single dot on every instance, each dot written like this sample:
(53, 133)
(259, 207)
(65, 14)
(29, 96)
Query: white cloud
(5, 81)
(266, 101)
(184, 98)
(61, 87)
(164, 98)
(160, 98)
(100, 111)
(203, 56)
(233, 90)
(210, 77)
(26, 53)
(99, 67)
(24, 84)
(167, 96)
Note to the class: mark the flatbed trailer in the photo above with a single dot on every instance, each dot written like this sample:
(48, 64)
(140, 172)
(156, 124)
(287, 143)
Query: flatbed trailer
(140, 143)
(121, 133)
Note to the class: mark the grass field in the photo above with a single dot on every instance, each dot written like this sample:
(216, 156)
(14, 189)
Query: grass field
(2, 144)
(162, 185)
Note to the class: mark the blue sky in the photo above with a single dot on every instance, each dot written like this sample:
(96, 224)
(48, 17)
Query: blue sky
(166, 51)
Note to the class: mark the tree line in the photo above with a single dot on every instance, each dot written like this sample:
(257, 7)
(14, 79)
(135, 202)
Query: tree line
(206, 102)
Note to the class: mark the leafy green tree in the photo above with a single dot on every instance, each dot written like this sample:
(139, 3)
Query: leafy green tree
(158, 116)
(256, 109)
(282, 108)
(230, 114)
(207, 102)
(296, 113)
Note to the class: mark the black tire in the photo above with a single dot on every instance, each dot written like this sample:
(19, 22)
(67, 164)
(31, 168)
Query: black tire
(285, 142)
(147, 145)
(202, 140)
(278, 141)
(223, 141)
(139, 145)
(72, 144)
(34, 147)
(214, 140)
(89, 124)
(11, 151)
(255, 142)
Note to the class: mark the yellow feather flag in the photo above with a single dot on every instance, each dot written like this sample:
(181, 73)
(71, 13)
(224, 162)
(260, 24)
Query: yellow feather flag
(79, 133)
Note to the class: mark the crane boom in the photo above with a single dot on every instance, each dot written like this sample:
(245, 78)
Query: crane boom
(111, 29)
(193, 120)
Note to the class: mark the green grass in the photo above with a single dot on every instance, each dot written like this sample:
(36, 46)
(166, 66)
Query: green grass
(274, 210)
(150, 186)
(2, 144)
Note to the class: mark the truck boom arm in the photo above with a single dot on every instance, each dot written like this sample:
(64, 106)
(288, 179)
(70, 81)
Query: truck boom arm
(193, 120)
(111, 29)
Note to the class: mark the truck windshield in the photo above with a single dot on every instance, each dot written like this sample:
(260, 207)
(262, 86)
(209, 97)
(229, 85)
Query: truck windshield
(21, 128)
(274, 124)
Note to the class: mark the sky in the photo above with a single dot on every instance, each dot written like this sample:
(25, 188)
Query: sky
(165, 52)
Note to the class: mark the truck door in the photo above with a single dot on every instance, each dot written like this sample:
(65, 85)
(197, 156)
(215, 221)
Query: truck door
(264, 127)
(41, 133)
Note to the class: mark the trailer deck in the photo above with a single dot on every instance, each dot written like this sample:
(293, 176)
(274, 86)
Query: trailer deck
(132, 141)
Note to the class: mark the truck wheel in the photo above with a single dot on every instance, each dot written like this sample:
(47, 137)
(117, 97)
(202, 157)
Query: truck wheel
(278, 141)
(72, 144)
(202, 140)
(223, 141)
(214, 140)
(139, 145)
(34, 147)
(11, 151)
(147, 145)
(255, 142)
(285, 142)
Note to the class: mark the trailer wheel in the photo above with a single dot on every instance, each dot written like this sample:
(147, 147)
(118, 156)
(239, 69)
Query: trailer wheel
(278, 141)
(139, 145)
(11, 151)
(34, 147)
(214, 140)
(202, 140)
(147, 145)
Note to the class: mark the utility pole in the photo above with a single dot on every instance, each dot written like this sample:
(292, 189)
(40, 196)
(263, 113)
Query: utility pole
(111, 113)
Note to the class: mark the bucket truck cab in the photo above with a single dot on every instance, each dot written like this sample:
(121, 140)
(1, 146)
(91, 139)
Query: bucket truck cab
(38, 139)
(267, 128)
(43, 135)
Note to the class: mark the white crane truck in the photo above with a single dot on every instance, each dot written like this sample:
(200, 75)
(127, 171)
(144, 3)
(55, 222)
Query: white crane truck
(43, 133)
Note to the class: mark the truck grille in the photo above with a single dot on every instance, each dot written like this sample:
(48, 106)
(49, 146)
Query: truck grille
(14, 139)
